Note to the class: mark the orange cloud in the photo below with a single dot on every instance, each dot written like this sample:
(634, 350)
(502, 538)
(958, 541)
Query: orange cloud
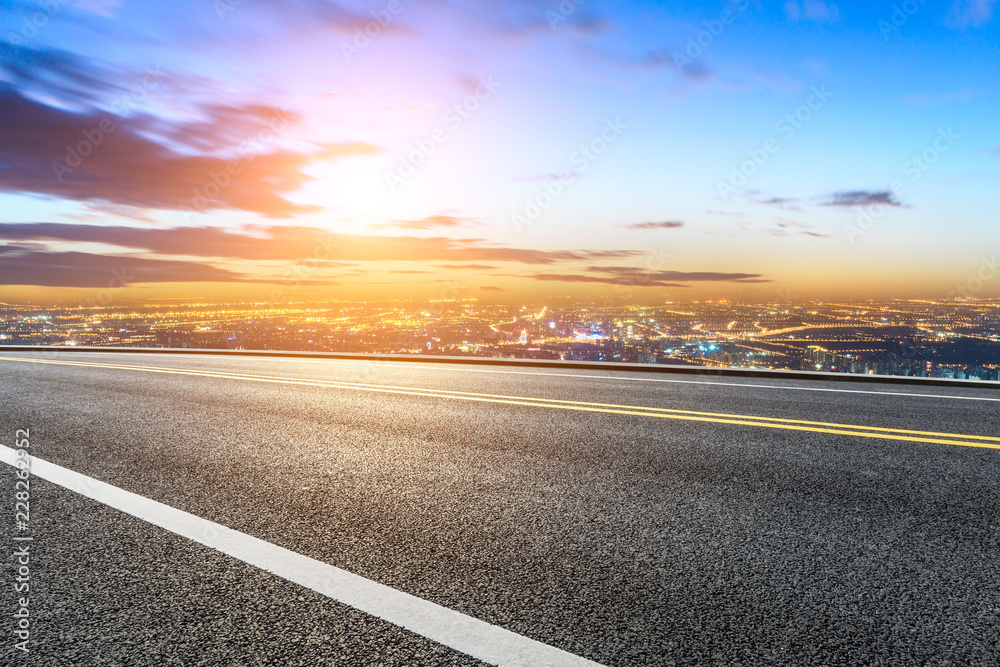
(259, 242)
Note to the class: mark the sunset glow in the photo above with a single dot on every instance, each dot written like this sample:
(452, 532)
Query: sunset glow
(517, 150)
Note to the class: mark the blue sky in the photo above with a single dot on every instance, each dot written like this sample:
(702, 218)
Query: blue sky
(521, 150)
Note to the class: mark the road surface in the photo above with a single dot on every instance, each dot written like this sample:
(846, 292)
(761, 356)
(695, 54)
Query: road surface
(609, 518)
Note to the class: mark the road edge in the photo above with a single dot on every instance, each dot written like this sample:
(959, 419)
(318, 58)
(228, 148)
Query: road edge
(534, 363)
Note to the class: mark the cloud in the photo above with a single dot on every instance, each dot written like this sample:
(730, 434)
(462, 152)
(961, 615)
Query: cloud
(432, 222)
(491, 288)
(222, 127)
(346, 149)
(779, 201)
(106, 8)
(656, 60)
(972, 13)
(862, 198)
(815, 11)
(843, 199)
(682, 276)
(279, 243)
(523, 19)
(627, 275)
(30, 266)
(41, 151)
(56, 73)
(640, 280)
(651, 60)
(74, 150)
(101, 211)
(302, 16)
(694, 71)
(786, 203)
(788, 227)
(670, 224)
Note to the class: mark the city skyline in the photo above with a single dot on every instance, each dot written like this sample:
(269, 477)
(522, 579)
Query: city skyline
(953, 339)
(512, 152)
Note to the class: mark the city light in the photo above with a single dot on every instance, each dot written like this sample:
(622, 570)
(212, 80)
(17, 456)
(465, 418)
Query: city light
(948, 339)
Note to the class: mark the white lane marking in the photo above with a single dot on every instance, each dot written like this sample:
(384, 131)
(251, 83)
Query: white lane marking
(485, 642)
(444, 367)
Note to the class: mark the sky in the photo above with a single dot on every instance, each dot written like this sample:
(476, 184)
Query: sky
(518, 151)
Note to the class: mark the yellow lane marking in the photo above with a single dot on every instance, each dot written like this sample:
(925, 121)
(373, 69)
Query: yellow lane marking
(453, 394)
(607, 408)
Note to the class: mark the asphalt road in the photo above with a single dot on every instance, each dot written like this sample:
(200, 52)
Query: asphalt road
(566, 506)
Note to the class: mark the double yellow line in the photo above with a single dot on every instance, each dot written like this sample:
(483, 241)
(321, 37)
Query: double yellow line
(933, 437)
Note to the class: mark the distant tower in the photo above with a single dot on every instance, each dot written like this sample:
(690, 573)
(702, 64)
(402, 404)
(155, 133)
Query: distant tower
(524, 340)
